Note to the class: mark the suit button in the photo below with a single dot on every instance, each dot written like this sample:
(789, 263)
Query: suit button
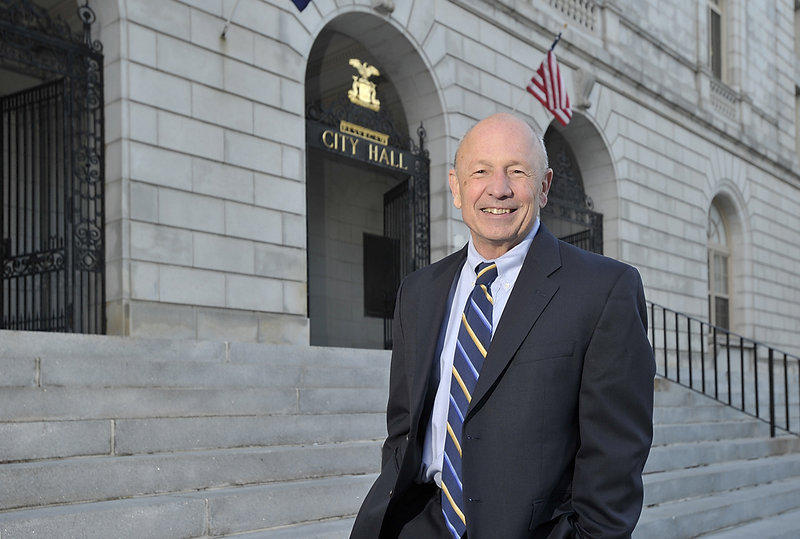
(390, 493)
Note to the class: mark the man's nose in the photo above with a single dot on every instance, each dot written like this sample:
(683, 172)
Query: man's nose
(500, 185)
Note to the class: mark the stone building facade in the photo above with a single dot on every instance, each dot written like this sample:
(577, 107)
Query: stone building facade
(225, 220)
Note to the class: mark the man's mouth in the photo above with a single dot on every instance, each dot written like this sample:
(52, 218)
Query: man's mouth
(497, 211)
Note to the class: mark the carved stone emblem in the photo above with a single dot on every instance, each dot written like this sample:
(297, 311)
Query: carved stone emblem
(363, 91)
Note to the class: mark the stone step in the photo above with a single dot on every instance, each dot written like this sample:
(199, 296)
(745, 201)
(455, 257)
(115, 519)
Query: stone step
(162, 435)
(340, 370)
(735, 400)
(698, 367)
(689, 455)
(227, 512)
(37, 344)
(33, 344)
(61, 439)
(710, 411)
(138, 518)
(51, 482)
(668, 393)
(266, 507)
(58, 403)
(783, 526)
(719, 477)
(722, 391)
(664, 434)
(704, 514)
(327, 529)
(721, 386)
(81, 372)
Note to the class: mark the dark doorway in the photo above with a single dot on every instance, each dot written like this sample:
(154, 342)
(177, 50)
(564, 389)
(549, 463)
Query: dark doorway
(347, 245)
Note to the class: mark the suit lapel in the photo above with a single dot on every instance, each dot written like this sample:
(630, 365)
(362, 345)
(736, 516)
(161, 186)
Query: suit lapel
(531, 294)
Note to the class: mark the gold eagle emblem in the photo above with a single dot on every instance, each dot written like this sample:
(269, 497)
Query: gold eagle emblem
(363, 91)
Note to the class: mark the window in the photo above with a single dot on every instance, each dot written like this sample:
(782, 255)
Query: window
(718, 274)
(716, 43)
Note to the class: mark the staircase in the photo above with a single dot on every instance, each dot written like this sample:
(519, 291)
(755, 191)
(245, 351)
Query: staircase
(715, 472)
(105, 437)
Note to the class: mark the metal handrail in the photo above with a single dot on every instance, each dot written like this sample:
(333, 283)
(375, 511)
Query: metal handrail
(682, 344)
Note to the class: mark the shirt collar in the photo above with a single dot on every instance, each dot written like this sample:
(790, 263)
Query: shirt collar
(511, 261)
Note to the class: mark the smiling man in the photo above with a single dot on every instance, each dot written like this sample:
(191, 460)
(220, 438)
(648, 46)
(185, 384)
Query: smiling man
(500, 181)
(521, 388)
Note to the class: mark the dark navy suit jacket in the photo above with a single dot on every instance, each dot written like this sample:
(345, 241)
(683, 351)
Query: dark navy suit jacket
(560, 423)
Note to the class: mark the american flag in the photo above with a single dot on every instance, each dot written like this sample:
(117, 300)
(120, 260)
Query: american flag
(548, 87)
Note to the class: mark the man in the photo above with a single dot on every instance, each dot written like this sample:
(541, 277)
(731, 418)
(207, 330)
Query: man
(520, 407)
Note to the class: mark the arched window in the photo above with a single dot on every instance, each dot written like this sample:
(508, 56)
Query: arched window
(718, 269)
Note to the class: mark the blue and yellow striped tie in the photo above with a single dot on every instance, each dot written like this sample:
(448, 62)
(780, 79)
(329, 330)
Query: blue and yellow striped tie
(474, 337)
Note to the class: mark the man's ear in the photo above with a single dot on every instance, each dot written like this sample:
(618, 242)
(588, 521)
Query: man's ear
(454, 188)
(547, 181)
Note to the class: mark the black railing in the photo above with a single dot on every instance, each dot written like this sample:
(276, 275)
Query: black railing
(750, 376)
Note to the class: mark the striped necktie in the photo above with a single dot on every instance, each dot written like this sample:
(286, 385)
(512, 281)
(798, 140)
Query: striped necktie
(474, 336)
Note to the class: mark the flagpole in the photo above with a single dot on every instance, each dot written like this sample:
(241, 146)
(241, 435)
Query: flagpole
(228, 22)
(553, 46)
(558, 38)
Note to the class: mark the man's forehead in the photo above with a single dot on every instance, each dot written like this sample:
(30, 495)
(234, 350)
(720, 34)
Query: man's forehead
(501, 162)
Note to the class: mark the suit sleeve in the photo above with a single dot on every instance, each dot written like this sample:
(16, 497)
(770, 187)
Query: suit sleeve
(615, 412)
(397, 408)
(372, 513)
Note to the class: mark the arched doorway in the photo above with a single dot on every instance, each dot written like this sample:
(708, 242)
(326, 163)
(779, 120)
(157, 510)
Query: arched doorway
(569, 213)
(367, 189)
(52, 253)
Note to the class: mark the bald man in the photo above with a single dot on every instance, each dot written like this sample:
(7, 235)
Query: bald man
(521, 390)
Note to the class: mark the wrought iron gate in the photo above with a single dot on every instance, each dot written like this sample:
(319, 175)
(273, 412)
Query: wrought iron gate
(397, 226)
(52, 254)
(569, 212)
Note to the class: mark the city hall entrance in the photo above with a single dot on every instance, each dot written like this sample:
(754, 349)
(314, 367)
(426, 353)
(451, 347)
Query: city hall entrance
(367, 192)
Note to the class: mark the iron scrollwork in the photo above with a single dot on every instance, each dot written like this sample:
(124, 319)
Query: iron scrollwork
(37, 263)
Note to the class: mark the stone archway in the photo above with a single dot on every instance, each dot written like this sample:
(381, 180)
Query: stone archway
(586, 153)
(367, 181)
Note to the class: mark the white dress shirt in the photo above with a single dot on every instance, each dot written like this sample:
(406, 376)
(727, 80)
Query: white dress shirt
(508, 268)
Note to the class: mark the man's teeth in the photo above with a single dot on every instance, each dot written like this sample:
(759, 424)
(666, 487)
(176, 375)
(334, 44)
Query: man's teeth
(497, 211)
